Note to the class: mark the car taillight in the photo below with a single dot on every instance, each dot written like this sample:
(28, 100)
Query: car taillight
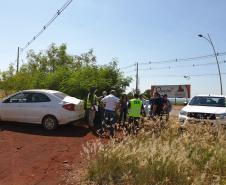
(70, 107)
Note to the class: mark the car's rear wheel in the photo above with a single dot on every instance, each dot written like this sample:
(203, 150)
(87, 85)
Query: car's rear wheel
(49, 122)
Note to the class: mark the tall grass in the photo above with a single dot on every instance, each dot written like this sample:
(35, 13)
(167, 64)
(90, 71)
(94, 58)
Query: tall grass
(161, 155)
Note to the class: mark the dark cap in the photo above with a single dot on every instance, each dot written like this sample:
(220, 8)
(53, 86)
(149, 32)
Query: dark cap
(136, 95)
(92, 89)
(113, 92)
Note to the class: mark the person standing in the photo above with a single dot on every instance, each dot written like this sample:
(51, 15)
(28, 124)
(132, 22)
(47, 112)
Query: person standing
(145, 105)
(123, 110)
(167, 107)
(151, 101)
(100, 113)
(158, 106)
(111, 104)
(91, 106)
(135, 108)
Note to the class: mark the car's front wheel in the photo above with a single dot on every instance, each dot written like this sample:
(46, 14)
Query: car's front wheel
(49, 122)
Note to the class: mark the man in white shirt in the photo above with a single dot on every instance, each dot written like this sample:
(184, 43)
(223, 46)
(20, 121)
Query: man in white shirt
(111, 103)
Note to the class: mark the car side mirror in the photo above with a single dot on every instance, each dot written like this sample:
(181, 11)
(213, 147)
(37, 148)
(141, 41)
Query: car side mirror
(185, 103)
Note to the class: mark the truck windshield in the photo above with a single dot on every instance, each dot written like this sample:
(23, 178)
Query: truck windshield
(208, 101)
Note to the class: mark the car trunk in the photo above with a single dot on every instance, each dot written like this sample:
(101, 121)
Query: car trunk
(72, 100)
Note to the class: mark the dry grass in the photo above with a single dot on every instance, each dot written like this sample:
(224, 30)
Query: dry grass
(161, 154)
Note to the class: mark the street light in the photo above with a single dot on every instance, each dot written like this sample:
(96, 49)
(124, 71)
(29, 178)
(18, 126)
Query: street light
(215, 54)
(187, 77)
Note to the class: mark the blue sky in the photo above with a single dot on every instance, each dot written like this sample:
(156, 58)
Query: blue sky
(129, 30)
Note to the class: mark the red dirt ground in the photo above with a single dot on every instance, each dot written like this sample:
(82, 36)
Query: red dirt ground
(30, 155)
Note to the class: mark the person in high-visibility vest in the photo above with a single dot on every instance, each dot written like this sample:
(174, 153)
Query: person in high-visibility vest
(135, 109)
(91, 106)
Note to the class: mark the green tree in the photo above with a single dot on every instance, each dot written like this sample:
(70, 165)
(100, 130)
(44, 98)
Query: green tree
(147, 93)
(58, 70)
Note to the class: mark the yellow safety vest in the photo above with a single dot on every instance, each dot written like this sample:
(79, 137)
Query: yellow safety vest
(88, 102)
(135, 108)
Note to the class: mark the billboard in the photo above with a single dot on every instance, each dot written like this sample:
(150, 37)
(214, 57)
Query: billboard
(172, 91)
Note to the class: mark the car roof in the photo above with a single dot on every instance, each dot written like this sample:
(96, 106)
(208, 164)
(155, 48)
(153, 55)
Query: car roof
(210, 95)
(41, 90)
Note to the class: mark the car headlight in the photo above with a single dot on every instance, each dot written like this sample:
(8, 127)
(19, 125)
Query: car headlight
(221, 116)
(183, 113)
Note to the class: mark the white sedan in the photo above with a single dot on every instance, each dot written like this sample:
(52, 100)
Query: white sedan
(47, 107)
(207, 108)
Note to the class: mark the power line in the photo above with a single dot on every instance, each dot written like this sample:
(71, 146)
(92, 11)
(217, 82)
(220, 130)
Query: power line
(207, 74)
(185, 76)
(181, 66)
(47, 24)
(180, 60)
(183, 59)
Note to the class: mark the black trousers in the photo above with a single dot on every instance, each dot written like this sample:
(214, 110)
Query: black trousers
(123, 115)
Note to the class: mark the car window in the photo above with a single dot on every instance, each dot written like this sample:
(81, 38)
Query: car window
(19, 98)
(208, 101)
(39, 97)
(60, 95)
(28, 97)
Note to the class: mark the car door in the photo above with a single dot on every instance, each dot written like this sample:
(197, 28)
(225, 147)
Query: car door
(13, 107)
(37, 108)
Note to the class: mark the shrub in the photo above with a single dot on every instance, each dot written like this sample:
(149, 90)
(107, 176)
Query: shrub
(161, 155)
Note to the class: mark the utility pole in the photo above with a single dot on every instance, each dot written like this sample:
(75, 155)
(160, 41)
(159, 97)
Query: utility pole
(17, 60)
(137, 78)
